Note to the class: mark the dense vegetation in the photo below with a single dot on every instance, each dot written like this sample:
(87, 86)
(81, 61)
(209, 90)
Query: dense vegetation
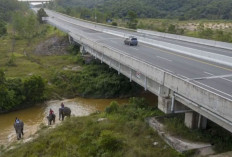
(178, 16)
(93, 80)
(17, 93)
(120, 131)
(6, 9)
(182, 9)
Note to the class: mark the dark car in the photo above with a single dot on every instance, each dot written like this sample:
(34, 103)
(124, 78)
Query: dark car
(131, 41)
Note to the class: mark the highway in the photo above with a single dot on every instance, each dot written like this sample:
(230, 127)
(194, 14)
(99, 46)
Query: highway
(212, 76)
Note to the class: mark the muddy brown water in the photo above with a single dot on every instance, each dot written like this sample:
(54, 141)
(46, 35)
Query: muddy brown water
(33, 117)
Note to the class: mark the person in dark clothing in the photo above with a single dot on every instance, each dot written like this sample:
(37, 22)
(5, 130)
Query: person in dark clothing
(19, 123)
(51, 112)
(62, 105)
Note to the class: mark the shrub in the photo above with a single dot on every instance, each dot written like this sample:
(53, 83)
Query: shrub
(114, 24)
(11, 61)
(112, 108)
(34, 88)
(108, 141)
(41, 13)
(138, 102)
(172, 28)
(3, 29)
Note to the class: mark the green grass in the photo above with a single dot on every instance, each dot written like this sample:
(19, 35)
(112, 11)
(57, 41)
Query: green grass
(122, 133)
(30, 63)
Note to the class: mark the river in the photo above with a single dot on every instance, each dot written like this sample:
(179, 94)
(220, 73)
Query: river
(34, 116)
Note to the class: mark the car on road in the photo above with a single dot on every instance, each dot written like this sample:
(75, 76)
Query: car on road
(131, 41)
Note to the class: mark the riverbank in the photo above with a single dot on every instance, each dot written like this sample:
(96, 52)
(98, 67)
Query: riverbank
(120, 131)
(35, 116)
(123, 123)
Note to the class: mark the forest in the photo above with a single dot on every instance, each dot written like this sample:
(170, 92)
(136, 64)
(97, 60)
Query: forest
(172, 9)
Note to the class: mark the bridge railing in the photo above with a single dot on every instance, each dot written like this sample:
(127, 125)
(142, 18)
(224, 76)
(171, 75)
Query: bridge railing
(213, 43)
(213, 57)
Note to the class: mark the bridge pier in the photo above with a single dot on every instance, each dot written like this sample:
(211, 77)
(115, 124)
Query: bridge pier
(82, 50)
(169, 105)
(70, 39)
(194, 120)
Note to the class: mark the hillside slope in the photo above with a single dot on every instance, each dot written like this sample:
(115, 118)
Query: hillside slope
(182, 9)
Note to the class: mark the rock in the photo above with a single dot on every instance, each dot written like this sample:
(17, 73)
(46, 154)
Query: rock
(55, 45)
(101, 119)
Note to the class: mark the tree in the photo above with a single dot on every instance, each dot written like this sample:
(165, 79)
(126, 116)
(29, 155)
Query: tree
(6, 99)
(132, 20)
(2, 77)
(34, 88)
(41, 13)
(26, 26)
(3, 29)
(31, 27)
(171, 28)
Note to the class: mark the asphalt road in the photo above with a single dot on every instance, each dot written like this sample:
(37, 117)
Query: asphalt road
(214, 77)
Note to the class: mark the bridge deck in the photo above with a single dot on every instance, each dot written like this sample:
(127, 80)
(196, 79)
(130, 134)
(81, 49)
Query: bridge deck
(184, 66)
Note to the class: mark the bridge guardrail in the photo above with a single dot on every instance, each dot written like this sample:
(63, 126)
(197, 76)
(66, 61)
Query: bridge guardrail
(212, 43)
(213, 57)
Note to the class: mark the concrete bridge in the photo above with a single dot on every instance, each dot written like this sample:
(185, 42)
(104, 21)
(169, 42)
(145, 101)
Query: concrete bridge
(188, 77)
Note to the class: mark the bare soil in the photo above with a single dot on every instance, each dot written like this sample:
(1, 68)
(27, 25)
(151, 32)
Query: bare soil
(53, 46)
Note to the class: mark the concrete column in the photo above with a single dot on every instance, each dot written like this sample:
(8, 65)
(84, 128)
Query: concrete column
(193, 120)
(202, 123)
(82, 50)
(130, 75)
(69, 39)
(164, 104)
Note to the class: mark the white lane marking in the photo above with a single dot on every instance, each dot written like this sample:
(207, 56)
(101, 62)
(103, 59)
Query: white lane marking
(208, 73)
(135, 49)
(212, 77)
(213, 88)
(103, 38)
(164, 58)
(183, 76)
(226, 79)
(219, 78)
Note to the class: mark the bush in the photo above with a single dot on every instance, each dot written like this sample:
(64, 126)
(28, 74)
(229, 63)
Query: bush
(41, 13)
(34, 88)
(112, 108)
(171, 28)
(138, 102)
(109, 142)
(15, 93)
(3, 29)
(11, 61)
(114, 24)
